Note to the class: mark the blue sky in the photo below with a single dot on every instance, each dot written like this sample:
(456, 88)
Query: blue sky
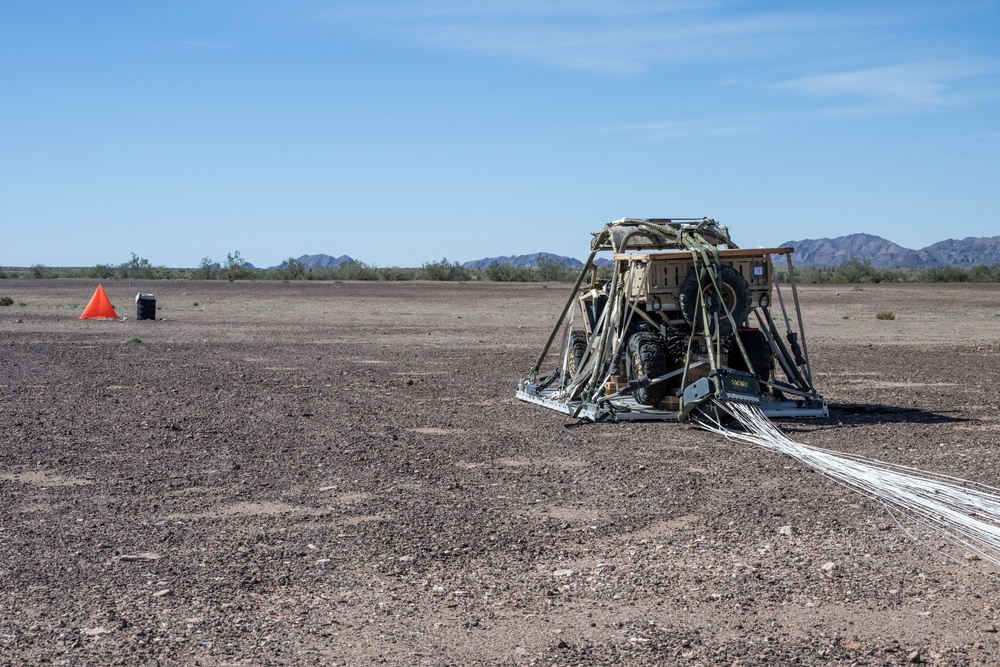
(404, 132)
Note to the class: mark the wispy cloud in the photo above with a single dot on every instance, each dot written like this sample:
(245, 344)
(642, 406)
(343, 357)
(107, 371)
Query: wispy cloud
(922, 84)
(850, 64)
(715, 126)
(623, 38)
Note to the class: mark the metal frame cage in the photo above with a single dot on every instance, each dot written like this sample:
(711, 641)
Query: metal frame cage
(682, 319)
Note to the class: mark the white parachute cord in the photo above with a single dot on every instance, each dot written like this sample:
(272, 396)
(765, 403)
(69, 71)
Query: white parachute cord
(963, 513)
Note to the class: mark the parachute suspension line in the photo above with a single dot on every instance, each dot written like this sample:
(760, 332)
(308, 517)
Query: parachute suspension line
(961, 512)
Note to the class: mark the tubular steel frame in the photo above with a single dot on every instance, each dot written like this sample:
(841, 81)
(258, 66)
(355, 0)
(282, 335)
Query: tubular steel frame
(595, 392)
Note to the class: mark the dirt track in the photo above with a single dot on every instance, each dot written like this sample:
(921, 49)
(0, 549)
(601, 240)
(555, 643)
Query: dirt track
(338, 474)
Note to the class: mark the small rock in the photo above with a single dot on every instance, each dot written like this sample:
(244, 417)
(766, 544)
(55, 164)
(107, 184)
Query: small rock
(828, 566)
(144, 556)
(914, 658)
(786, 530)
(407, 559)
(94, 632)
(989, 628)
(562, 573)
(163, 593)
(562, 644)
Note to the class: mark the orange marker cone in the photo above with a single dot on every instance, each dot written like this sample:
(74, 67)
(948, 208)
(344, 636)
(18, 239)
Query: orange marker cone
(99, 306)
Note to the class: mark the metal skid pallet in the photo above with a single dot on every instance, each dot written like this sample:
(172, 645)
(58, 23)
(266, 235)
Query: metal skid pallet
(628, 409)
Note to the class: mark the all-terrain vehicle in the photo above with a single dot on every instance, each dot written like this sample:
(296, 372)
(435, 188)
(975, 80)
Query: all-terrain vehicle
(682, 318)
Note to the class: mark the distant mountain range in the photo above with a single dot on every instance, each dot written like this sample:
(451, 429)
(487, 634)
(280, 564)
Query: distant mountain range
(964, 253)
(531, 261)
(320, 261)
(878, 251)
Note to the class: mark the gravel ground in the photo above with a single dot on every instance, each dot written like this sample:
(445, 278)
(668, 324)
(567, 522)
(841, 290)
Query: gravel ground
(338, 474)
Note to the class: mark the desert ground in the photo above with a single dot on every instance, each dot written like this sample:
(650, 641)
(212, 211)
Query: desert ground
(326, 473)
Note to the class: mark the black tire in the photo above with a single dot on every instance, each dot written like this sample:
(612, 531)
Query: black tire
(646, 356)
(145, 309)
(577, 348)
(758, 349)
(735, 299)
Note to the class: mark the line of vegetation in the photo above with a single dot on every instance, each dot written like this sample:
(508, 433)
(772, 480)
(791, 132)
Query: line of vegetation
(234, 267)
(855, 271)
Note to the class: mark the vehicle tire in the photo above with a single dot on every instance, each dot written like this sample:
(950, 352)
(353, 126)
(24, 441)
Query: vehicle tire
(577, 348)
(758, 349)
(676, 341)
(646, 356)
(735, 298)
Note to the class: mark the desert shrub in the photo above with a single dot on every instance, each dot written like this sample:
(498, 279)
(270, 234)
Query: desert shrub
(861, 272)
(292, 269)
(137, 267)
(945, 274)
(851, 272)
(604, 273)
(6, 301)
(102, 271)
(236, 268)
(207, 270)
(397, 273)
(507, 273)
(857, 271)
(985, 274)
(888, 315)
(40, 271)
(551, 270)
(356, 271)
(444, 270)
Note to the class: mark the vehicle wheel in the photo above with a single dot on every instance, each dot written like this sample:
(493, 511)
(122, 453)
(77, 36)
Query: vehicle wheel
(577, 348)
(676, 341)
(758, 349)
(646, 356)
(734, 297)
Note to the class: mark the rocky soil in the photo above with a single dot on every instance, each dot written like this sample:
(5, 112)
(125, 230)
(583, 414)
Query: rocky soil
(338, 474)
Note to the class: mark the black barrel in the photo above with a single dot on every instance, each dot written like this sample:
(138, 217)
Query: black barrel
(145, 306)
